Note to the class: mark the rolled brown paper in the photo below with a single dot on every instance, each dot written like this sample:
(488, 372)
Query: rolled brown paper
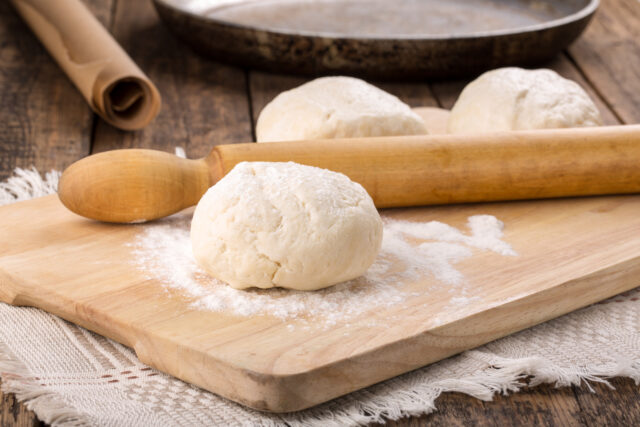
(107, 77)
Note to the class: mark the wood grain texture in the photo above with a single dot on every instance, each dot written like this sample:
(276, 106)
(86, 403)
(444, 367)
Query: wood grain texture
(443, 169)
(109, 81)
(204, 103)
(608, 54)
(84, 275)
(45, 121)
(453, 409)
(15, 414)
(134, 185)
(617, 406)
(540, 406)
(543, 405)
(399, 171)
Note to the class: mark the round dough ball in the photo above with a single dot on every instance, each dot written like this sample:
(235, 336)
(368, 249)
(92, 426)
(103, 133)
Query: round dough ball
(285, 225)
(514, 98)
(336, 107)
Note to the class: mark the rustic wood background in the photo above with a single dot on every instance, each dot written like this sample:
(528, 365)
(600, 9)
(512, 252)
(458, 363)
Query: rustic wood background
(44, 122)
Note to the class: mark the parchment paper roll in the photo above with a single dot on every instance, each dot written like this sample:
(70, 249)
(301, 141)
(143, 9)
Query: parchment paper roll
(107, 77)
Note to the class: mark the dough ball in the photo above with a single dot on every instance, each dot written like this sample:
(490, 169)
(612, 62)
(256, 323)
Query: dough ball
(286, 225)
(514, 98)
(336, 107)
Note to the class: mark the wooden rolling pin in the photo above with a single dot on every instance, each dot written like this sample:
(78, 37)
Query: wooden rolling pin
(135, 185)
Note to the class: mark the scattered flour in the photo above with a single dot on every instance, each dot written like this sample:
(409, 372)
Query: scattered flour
(410, 251)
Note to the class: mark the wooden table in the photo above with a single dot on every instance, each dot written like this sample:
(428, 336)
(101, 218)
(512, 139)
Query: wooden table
(44, 122)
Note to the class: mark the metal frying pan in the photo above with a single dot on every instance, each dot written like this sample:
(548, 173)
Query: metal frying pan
(380, 39)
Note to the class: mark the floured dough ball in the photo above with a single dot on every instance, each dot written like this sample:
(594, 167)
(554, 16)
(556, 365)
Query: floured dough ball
(285, 225)
(514, 98)
(336, 107)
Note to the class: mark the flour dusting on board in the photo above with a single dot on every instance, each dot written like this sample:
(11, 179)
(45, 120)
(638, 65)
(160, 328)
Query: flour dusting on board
(410, 251)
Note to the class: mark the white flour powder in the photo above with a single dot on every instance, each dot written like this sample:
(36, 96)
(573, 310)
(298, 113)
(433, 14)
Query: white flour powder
(410, 251)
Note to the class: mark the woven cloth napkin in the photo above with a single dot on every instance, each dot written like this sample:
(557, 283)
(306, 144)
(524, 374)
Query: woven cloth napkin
(71, 376)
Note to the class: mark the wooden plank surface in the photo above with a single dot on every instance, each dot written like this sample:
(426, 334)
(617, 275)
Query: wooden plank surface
(204, 103)
(604, 56)
(14, 413)
(608, 54)
(44, 121)
(543, 405)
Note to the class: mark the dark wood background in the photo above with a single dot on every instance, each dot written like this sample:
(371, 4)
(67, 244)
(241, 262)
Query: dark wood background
(45, 122)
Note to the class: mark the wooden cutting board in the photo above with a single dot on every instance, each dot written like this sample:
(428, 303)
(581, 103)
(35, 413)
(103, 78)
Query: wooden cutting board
(572, 252)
